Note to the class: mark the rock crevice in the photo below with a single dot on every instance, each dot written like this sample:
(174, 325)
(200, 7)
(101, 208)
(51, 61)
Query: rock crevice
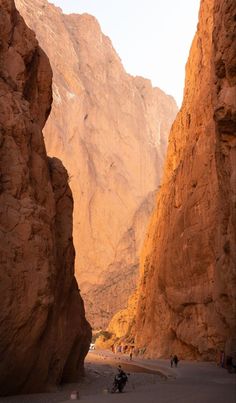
(111, 131)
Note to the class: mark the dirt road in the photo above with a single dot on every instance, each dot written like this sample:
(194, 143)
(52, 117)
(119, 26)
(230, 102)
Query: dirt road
(150, 381)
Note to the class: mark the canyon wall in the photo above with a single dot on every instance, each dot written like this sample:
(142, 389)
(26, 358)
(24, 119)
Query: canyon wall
(187, 291)
(44, 335)
(111, 131)
(185, 301)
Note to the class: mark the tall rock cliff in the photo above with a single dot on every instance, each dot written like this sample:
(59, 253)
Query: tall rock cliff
(44, 336)
(187, 294)
(111, 131)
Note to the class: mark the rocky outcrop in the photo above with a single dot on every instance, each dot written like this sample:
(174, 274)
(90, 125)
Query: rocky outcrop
(44, 336)
(188, 284)
(110, 130)
(122, 325)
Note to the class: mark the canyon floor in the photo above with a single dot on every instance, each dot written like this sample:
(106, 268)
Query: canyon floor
(149, 381)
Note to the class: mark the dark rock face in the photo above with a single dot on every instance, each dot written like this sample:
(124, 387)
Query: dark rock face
(44, 335)
(187, 294)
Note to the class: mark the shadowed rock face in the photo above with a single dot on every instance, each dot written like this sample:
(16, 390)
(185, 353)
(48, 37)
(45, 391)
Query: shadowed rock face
(44, 336)
(188, 284)
(111, 131)
(186, 297)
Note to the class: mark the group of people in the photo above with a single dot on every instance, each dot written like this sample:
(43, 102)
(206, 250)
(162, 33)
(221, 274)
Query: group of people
(174, 360)
(131, 350)
(121, 377)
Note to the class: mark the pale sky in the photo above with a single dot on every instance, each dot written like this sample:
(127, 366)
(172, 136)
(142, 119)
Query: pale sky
(152, 37)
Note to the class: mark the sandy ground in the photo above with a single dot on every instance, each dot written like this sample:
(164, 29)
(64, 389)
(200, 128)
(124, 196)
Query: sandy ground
(149, 382)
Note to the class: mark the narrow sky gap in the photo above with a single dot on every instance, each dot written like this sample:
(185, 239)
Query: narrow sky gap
(152, 37)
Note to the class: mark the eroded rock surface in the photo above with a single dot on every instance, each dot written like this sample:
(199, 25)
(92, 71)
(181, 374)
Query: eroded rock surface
(111, 131)
(188, 275)
(44, 336)
(186, 297)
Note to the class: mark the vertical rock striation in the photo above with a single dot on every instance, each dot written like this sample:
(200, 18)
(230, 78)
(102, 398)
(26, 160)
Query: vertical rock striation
(44, 336)
(187, 293)
(111, 131)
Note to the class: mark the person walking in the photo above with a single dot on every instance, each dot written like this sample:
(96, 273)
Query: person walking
(175, 360)
(131, 354)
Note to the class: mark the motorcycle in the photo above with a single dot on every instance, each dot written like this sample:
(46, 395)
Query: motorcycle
(119, 382)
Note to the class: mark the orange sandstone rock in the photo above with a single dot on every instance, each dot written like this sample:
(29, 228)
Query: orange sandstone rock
(185, 302)
(110, 130)
(44, 336)
(188, 271)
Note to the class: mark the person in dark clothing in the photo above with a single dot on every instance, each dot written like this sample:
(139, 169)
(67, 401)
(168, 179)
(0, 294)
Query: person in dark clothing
(175, 360)
(120, 381)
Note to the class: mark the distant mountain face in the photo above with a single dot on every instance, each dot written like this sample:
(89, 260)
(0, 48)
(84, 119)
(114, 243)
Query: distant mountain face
(44, 335)
(186, 298)
(111, 131)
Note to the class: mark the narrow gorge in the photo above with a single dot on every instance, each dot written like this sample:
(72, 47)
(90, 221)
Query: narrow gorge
(117, 211)
(111, 131)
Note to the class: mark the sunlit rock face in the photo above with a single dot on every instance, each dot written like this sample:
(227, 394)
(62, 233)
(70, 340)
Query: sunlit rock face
(43, 332)
(122, 325)
(188, 286)
(111, 132)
